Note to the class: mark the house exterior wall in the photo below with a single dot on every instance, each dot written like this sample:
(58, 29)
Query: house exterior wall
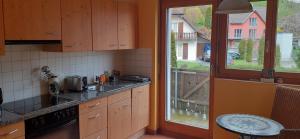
(285, 42)
(192, 51)
(260, 27)
(192, 44)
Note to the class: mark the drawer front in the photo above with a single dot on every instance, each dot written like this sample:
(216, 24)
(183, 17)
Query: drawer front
(12, 131)
(98, 135)
(93, 121)
(141, 89)
(92, 105)
(119, 97)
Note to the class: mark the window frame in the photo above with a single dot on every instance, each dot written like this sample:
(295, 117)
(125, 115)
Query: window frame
(222, 71)
(269, 52)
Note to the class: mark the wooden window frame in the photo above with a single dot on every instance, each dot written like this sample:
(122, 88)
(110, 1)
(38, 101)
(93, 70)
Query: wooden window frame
(269, 53)
(222, 71)
(169, 128)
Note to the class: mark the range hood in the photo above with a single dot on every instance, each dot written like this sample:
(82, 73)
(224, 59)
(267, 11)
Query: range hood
(33, 42)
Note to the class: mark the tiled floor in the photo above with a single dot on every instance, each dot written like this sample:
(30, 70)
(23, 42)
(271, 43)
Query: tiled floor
(155, 137)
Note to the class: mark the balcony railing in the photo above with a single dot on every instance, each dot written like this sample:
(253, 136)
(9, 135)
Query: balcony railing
(185, 36)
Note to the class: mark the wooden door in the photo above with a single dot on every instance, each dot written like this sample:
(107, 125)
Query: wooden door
(32, 19)
(185, 51)
(119, 119)
(127, 24)
(2, 46)
(104, 24)
(76, 25)
(140, 108)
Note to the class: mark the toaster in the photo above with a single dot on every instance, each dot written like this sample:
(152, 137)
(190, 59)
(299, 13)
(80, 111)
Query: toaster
(74, 83)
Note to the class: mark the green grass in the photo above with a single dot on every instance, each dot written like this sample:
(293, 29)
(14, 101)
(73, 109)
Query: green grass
(243, 65)
(192, 65)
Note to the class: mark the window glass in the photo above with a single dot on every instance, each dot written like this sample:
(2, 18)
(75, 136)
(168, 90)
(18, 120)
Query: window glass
(246, 38)
(287, 57)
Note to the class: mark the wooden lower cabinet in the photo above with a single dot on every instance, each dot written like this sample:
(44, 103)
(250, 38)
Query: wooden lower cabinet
(98, 135)
(119, 119)
(93, 119)
(140, 108)
(116, 117)
(13, 131)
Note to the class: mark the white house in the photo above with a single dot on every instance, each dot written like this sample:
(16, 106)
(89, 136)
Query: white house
(189, 42)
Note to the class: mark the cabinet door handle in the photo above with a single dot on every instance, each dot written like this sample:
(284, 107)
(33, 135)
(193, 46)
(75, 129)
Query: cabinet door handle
(9, 133)
(94, 117)
(93, 106)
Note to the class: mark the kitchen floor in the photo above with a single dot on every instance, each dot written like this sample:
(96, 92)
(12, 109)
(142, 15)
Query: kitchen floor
(155, 137)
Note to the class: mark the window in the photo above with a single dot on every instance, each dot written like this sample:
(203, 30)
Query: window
(174, 27)
(287, 53)
(179, 52)
(238, 33)
(245, 53)
(270, 50)
(253, 22)
(252, 34)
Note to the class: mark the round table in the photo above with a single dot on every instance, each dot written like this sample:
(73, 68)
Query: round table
(249, 125)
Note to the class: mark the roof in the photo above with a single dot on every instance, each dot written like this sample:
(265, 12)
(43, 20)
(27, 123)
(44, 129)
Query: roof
(242, 17)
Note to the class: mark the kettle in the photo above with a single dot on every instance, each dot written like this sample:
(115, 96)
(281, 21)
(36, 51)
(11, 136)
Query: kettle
(74, 83)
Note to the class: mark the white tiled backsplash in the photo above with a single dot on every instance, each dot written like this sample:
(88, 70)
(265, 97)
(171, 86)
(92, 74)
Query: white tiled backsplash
(20, 67)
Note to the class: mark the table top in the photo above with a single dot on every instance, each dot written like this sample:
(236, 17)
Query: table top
(249, 125)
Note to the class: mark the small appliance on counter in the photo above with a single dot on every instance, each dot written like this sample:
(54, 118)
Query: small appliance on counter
(75, 83)
(135, 78)
(52, 79)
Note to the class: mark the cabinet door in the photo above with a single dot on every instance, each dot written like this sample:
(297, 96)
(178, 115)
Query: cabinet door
(2, 46)
(93, 122)
(127, 24)
(104, 24)
(32, 19)
(98, 135)
(119, 119)
(140, 108)
(76, 25)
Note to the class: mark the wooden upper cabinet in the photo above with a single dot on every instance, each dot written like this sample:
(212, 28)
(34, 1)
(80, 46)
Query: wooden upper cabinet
(104, 24)
(76, 25)
(127, 24)
(32, 19)
(2, 46)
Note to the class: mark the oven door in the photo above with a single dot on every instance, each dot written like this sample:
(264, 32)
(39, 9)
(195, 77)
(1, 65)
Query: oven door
(69, 130)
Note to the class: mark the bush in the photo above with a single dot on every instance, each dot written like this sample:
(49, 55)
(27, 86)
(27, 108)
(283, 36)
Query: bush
(249, 51)
(173, 51)
(261, 50)
(296, 57)
(278, 56)
(242, 47)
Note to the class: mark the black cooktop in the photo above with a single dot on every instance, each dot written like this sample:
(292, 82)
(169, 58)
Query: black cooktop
(34, 104)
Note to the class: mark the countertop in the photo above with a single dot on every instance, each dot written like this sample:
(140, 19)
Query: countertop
(115, 88)
(11, 117)
(7, 118)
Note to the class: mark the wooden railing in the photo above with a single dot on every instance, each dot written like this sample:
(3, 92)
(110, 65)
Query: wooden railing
(185, 36)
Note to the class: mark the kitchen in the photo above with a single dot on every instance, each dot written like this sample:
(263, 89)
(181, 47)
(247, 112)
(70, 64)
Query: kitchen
(82, 38)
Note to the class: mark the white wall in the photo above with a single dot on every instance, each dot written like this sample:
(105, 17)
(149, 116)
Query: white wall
(186, 27)
(285, 41)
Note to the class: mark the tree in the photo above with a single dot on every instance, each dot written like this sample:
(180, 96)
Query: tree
(261, 50)
(173, 51)
(278, 56)
(208, 17)
(249, 51)
(242, 47)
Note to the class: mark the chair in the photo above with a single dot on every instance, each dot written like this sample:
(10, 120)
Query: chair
(286, 110)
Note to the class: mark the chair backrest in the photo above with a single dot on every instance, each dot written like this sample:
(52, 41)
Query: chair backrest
(286, 108)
